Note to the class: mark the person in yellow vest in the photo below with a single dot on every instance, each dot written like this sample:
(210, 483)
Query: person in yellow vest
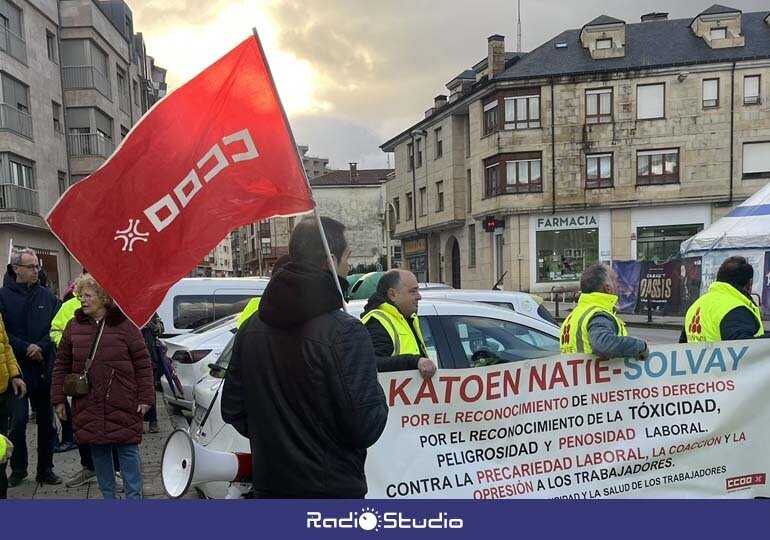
(253, 306)
(390, 316)
(726, 312)
(593, 326)
(11, 383)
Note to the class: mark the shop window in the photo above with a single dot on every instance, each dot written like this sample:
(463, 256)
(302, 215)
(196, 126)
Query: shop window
(563, 255)
(598, 171)
(599, 106)
(655, 167)
(659, 244)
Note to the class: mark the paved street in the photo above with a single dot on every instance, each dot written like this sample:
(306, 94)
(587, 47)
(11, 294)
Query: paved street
(68, 463)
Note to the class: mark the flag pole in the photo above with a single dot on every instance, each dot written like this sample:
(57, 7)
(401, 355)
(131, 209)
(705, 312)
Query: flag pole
(329, 258)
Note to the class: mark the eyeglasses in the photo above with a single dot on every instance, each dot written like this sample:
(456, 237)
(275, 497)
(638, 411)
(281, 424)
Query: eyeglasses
(29, 266)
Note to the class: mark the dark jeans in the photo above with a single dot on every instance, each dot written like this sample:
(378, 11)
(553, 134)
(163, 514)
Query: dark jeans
(67, 436)
(87, 457)
(40, 399)
(5, 410)
(151, 415)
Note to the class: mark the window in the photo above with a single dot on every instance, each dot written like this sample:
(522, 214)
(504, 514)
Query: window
(718, 33)
(290, 224)
(423, 200)
(604, 43)
(50, 42)
(522, 112)
(21, 172)
(599, 106)
(650, 101)
(440, 196)
(15, 115)
(123, 132)
(751, 90)
(472, 246)
(122, 88)
(514, 173)
(62, 182)
(598, 171)
(756, 160)
(487, 341)
(56, 112)
(410, 156)
(136, 93)
(563, 254)
(490, 117)
(103, 124)
(409, 206)
(439, 143)
(710, 93)
(467, 125)
(657, 167)
(660, 244)
(419, 153)
(397, 209)
(469, 190)
(193, 311)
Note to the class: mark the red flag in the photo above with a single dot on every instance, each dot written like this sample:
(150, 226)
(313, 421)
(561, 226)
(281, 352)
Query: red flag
(214, 155)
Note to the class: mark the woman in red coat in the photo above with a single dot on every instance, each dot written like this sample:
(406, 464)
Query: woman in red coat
(120, 386)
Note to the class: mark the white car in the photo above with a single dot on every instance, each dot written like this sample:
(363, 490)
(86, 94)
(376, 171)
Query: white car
(457, 334)
(191, 354)
(520, 302)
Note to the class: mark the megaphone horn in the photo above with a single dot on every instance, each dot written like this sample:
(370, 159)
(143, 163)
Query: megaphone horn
(185, 463)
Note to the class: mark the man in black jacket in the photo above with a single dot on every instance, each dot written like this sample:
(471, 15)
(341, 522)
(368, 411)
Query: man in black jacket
(390, 316)
(302, 382)
(28, 309)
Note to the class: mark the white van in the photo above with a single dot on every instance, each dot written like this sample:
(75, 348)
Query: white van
(193, 302)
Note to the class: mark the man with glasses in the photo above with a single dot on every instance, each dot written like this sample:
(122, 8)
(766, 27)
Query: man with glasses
(27, 309)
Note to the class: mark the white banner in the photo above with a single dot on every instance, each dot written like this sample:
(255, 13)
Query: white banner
(690, 421)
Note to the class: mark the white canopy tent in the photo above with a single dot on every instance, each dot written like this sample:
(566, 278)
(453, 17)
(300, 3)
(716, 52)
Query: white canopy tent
(746, 227)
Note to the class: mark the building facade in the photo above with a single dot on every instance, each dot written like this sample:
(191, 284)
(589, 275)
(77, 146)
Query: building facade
(73, 84)
(611, 142)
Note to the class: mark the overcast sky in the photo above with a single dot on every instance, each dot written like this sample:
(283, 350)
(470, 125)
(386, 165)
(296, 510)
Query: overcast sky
(354, 73)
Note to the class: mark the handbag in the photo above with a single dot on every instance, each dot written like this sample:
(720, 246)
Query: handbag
(76, 384)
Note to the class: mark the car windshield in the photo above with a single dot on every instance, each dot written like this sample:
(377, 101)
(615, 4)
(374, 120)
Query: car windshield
(487, 341)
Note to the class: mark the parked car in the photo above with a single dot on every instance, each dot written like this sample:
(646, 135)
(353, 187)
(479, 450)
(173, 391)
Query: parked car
(193, 302)
(191, 354)
(457, 335)
(520, 302)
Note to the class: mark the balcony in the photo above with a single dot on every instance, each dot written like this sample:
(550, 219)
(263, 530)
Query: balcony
(13, 44)
(13, 197)
(90, 144)
(15, 120)
(86, 77)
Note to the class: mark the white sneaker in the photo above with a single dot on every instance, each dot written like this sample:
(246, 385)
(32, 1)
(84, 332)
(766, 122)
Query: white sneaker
(81, 478)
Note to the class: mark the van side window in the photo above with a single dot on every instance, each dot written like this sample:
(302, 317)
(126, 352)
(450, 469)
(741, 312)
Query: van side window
(194, 310)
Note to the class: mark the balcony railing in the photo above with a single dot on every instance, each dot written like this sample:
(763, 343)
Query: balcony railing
(13, 44)
(15, 120)
(90, 144)
(87, 77)
(13, 197)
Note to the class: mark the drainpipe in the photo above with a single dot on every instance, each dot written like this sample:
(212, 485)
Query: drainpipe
(732, 130)
(553, 152)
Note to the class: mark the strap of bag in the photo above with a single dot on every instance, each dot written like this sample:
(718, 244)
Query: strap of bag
(99, 332)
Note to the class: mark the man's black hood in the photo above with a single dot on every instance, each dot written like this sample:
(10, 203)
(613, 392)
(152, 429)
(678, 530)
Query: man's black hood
(298, 293)
(374, 301)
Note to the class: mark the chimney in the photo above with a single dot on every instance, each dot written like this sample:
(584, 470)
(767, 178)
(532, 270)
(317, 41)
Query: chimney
(353, 171)
(495, 55)
(439, 101)
(654, 16)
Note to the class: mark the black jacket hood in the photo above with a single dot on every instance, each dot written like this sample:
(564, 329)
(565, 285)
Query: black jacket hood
(298, 293)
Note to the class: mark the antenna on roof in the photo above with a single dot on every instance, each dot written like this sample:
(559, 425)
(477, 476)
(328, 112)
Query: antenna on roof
(518, 29)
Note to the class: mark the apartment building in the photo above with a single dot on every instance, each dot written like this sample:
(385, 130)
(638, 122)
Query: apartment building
(74, 82)
(614, 141)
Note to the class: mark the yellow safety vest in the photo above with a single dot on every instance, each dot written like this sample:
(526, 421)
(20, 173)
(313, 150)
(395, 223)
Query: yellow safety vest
(3, 448)
(574, 329)
(251, 308)
(705, 316)
(398, 329)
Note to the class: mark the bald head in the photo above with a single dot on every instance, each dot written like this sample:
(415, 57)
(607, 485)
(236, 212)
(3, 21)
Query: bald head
(401, 289)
